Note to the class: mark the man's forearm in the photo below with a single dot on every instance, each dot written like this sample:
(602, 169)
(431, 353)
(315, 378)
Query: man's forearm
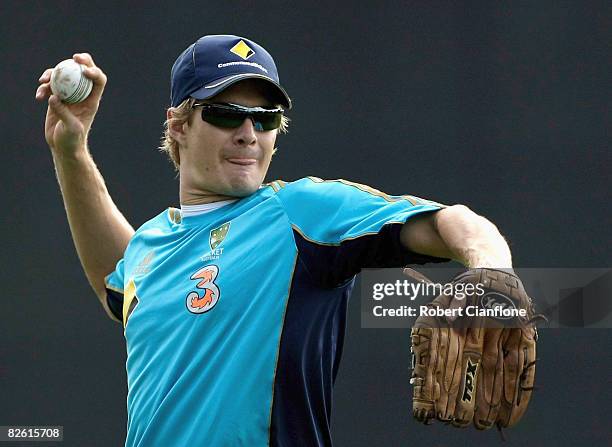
(473, 240)
(460, 234)
(99, 230)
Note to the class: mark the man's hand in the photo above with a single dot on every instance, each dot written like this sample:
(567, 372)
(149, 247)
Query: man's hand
(67, 125)
(473, 369)
(99, 230)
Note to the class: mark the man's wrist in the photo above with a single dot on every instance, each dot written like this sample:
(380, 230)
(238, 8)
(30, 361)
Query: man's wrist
(486, 260)
(72, 156)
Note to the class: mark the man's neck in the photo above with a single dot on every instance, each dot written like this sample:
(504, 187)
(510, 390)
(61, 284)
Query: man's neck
(192, 196)
(205, 198)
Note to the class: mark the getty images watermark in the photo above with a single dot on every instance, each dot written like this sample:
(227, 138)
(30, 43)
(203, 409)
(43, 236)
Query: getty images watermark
(485, 304)
(567, 297)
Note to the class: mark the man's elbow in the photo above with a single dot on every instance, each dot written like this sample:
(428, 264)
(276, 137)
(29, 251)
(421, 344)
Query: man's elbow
(461, 216)
(98, 285)
(473, 239)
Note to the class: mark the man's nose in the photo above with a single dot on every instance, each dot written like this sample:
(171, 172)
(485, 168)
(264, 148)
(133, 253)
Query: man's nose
(245, 134)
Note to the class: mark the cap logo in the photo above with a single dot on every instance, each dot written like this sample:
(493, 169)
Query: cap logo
(243, 50)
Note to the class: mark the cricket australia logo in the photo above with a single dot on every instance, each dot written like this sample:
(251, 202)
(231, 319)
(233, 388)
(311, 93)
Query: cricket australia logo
(199, 304)
(217, 236)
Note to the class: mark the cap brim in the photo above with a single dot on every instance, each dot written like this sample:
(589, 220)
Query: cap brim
(210, 90)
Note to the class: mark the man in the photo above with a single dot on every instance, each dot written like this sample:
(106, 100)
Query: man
(234, 306)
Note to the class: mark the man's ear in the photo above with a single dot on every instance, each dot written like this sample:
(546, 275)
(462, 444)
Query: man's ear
(176, 130)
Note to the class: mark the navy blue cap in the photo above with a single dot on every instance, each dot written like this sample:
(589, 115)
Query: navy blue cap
(213, 63)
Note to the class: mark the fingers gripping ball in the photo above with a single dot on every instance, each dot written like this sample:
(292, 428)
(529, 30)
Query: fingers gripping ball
(69, 82)
(477, 371)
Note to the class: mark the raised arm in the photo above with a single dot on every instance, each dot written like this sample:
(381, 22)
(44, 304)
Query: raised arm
(457, 233)
(99, 230)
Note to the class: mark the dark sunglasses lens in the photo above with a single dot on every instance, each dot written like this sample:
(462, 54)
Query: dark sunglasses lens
(222, 118)
(268, 121)
(231, 119)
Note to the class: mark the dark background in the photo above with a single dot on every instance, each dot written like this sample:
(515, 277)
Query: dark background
(503, 107)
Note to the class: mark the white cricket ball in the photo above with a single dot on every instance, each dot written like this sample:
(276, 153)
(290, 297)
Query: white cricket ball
(69, 83)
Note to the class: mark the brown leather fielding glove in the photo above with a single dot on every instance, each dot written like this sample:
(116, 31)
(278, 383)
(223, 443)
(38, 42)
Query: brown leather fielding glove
(475, 369)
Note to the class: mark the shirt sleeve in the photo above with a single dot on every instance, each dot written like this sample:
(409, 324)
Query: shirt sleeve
(114, 283)
(341, 227)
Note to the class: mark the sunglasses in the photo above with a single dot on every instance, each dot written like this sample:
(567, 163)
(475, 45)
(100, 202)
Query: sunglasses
(230, 116)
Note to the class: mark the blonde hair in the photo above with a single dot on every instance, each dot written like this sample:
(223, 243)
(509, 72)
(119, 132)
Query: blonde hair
(181, 115)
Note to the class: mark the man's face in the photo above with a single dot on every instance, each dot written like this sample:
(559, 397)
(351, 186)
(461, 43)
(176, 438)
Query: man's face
(221, 161)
